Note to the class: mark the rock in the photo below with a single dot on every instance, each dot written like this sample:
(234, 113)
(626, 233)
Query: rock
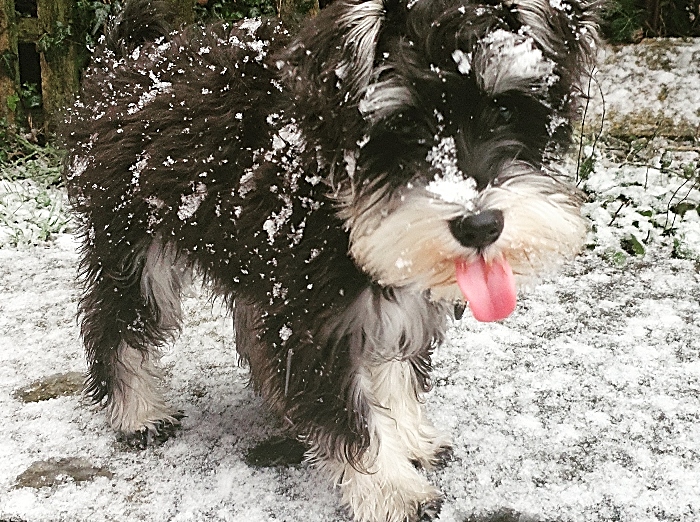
(504, 515)
(58, 385)
(60, 471)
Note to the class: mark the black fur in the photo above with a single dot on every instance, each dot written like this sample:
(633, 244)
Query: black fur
(242, 149)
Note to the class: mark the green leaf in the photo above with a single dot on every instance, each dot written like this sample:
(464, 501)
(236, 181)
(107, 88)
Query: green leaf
(12, 101)
(633, 246)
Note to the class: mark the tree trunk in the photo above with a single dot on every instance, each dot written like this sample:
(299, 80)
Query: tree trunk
(59, 62)
(9, 64)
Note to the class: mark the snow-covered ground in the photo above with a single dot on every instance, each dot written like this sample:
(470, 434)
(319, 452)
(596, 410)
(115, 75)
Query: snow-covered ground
(583, 406)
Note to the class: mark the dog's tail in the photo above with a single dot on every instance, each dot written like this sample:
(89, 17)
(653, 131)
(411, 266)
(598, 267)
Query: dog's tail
(138, 22)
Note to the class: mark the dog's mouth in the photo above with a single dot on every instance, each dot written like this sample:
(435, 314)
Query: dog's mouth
(488, 287)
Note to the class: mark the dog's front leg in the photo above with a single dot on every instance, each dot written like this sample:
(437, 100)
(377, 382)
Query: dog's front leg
(389, 335)
(384, 484)
(349, 381)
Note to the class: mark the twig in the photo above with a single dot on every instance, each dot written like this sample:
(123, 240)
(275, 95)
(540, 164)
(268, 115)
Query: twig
(617, 212)
(591, 78)
(583, 123)
(670, 202)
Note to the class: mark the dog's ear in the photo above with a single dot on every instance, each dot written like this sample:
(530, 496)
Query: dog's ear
(138, 22)
(335, 52)
(565, 30)
(327, 69)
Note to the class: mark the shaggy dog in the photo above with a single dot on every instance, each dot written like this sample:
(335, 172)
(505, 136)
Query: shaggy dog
(342, 190)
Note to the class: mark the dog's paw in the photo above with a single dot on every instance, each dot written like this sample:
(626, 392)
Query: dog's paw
(443, 456)
(276, 451)
(154, 434)
(430, 510)
(440, 458)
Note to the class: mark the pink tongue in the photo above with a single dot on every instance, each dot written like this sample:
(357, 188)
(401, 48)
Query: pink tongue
(489, 288)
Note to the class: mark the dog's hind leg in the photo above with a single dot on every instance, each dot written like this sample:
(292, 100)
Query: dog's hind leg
(129, 309)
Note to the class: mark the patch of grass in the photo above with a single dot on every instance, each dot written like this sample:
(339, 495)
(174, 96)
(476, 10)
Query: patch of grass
(232, 10)
(628, 21)
(21, 158)
(31, 213)
(32, 199)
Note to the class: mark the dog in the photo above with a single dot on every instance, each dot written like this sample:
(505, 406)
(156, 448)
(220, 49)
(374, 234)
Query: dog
(342, 189)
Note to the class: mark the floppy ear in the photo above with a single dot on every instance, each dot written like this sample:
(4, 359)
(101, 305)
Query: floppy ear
(565, 30)
(335, 51)
(328, 67)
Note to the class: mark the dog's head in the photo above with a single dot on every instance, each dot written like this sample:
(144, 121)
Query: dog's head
(438, 121)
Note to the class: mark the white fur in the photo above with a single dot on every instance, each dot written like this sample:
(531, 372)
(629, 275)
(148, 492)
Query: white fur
(136, 403)
(361, 24)
(162, 279)
(384, 98)
(394, 388)
(382, 329)
(506, 62)
(411, 244)
(385, 332)
(535, 15)
(543, 226)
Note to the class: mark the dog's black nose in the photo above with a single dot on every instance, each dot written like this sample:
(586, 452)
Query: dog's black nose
(478, 230)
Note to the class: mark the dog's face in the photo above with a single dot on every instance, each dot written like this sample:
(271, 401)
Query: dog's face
(448, 183)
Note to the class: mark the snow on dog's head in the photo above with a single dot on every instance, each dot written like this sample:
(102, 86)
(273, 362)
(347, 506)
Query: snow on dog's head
(449, 185)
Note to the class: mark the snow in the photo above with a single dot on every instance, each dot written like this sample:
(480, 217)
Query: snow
(189, 203)
(583, 406)
(665, 74)
(449, 184)
(463, 61)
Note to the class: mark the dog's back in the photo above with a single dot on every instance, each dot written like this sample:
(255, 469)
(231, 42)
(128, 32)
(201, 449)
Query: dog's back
(169, 130)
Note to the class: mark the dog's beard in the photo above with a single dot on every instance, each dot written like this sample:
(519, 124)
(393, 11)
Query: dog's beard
(402, 238)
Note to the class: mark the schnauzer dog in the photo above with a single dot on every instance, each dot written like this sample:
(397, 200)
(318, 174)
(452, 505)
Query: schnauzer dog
(341, 189)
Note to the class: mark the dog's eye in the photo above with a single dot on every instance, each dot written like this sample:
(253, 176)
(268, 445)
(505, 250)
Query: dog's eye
(505, 114)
